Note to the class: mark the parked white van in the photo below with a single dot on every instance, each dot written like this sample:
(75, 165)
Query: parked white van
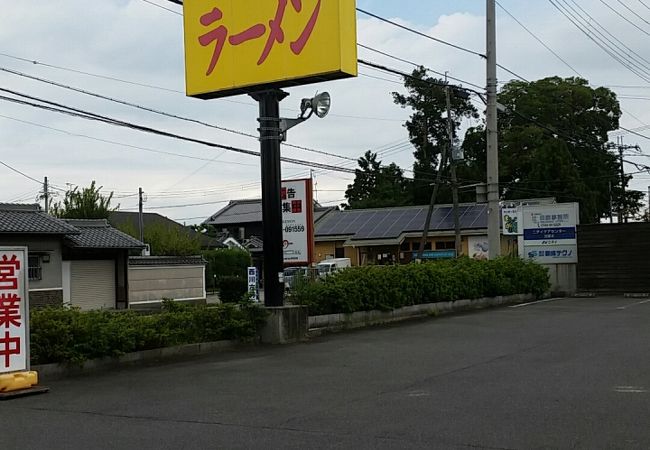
(330, 266)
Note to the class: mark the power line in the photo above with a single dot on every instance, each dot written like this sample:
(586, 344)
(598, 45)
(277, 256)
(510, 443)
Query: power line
(187, 205)
(635, 133)
(162, 7)
(624, 18)
(75, 112)
(419, 33)
(13, 169)
(556, 54)
(94, 75)
(633, 12)
(626, 47)
(120, 144)
(539, 40)
(159, 112)
(397, 58)
(633, 66)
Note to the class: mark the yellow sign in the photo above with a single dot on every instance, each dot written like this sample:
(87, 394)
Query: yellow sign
(242, 46)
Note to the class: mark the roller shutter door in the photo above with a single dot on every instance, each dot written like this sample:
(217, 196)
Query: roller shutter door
(92, 284)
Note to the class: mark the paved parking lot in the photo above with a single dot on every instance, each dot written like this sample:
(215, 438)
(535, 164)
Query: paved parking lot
(570, 373)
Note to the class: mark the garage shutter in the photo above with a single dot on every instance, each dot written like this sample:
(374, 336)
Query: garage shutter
(92, 284)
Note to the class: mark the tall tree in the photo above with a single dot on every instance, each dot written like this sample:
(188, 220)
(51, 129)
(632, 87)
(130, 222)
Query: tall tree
(377, 186)
(553, 136)
(89, 203)
(427, 128)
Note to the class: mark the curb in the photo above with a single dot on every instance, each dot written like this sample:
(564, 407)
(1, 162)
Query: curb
(332, 323)
(62, 370)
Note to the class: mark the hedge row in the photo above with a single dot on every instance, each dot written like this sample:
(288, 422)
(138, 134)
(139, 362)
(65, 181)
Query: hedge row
(68, 335)
(389, 287)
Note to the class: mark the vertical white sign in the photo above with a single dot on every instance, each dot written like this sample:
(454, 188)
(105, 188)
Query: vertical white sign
(14, 310)
(512, 220)
(297, 221)
(253, 286)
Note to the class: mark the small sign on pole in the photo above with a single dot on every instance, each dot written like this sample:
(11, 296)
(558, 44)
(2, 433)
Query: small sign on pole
(253, 284)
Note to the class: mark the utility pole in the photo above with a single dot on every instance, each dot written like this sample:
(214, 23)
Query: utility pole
(611, 204)
(46, 195)
(140, 215)
(621, 207)
(454, 179)
(432, 203)
(622, 204)
(494, 212)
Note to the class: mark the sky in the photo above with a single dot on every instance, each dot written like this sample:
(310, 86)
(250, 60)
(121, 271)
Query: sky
(137, 50)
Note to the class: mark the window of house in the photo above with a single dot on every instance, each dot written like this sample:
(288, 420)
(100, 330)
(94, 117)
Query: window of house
(339, 252)
(445, 245)
(35, 270)
(405, 247)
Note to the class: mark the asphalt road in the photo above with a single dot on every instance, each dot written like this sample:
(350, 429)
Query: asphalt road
(572, 373)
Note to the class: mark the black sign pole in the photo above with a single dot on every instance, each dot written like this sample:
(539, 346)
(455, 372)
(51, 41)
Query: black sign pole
(270, 138)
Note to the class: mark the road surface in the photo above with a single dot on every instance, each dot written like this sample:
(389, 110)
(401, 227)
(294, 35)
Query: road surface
(570, 373)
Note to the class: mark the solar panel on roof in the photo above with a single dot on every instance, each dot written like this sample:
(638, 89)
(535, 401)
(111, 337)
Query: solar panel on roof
(401, 224)
(369, 221)
(384, 222)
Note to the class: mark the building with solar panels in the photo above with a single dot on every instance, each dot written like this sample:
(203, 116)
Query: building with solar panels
(392, 235)
(374, 236)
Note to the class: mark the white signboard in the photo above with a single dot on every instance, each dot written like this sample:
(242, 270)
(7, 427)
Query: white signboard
(550, 233)
(550, 225)
(253, 285)
(297, 221)
(14, 310)
(556, 254)
(478, 247)
(512, 220)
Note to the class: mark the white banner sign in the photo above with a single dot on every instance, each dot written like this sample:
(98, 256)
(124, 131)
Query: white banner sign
(297, 221)
(14, 310)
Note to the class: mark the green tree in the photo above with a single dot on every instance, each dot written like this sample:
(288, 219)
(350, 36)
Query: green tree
(88, 203)
(553, 136)
(427, 128)
(377, 186)
(166, 240)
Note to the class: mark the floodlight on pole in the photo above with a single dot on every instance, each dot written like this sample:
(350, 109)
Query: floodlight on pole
(319, 105)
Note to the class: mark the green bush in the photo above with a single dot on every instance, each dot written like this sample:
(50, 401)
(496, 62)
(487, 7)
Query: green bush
(232, 289)
(389, 287)
(72, 336)
(224, 263)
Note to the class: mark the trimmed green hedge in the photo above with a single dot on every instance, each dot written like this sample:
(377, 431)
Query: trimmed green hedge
(386, 288)
(70, 336)
(232, 289)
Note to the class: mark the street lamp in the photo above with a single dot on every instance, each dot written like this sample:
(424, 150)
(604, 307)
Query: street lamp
(319, 105)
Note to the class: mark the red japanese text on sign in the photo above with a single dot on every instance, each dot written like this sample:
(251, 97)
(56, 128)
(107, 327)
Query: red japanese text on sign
(8, 268)
(220, 35)
(9, 310)
(9, 346)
